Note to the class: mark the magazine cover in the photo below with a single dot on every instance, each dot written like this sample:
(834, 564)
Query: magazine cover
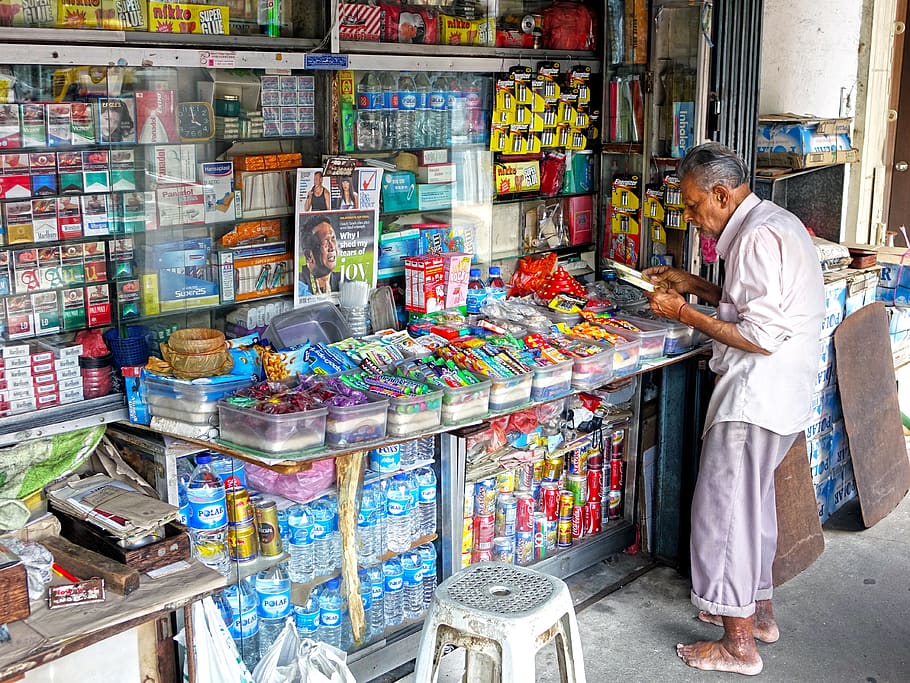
(336, 231)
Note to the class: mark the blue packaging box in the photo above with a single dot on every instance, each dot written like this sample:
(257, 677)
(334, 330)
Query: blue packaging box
(394, 246)
(399, 191)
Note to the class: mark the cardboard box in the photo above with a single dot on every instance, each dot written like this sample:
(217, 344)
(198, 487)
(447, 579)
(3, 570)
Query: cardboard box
(399, 191)
(424, 283)
(835, 304)
(156, 116)
(396, 246)
(359, 22)
(171, 163)
(436, 173)
(217, 179)
(796, 141)
(175, 17)
(427, 157)
(516, 176)
(431, 197)
(457, 268)
(580, 214)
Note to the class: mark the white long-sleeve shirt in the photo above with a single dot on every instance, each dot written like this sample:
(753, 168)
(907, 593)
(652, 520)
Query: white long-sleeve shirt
(773, 291)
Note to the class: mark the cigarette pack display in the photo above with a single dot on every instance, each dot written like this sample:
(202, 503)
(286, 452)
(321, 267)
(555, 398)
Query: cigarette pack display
(34, 125)
(156, 116)
(96, 174)
(116, 120)
(98, 302)
(43, 170)
(217, 179)
(74, 313)
(17, 217)
(10, 135)
(59, 124)
(46, 307)
(123, 170)
(82, 123)
(15, 179)
(95, 215)
(69, 172)
(20, 321)
(69, 218)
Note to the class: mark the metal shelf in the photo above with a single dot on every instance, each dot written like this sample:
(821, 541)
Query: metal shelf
(62, 419)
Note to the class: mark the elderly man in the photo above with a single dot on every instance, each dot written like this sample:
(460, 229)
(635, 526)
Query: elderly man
(765, 355)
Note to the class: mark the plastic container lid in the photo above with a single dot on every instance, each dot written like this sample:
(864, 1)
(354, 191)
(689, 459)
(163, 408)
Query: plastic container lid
(319, 323)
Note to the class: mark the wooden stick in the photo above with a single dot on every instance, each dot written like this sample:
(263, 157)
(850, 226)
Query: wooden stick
(349, 469)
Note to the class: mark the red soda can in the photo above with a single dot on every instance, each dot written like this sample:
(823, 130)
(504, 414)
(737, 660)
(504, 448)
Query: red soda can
(614, 504)
(566, 503)
(564, 533)
(483, 531)
(616, 466)
(594, 512)
(549, 493)
(578, 522)
(540, 536)
(482, 556)
(595, 458)
(524, 476)
(524, 511)
(617, 444)
(595, 480)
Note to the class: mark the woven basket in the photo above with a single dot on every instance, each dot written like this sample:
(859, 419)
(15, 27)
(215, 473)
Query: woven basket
(196, 340)
(197, 352)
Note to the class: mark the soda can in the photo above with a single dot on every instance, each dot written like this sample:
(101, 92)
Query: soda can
(483, 532)
(505, 481)
(552, 468)
(524, 547)
(614, 504)
(468, 500)
(566, 503)
(239, 508)
(482, 556)
(504, 549)
(576, 484)
(593, 512)
(578, 522)
(466, 559)
(594, 481)
(267, 527)
(617, 444)
(485, 497)
(524, 476)
(595, 458)
(506, 513)
(242, 543)
(467, 535)
(616, 467)
(551, 536)
(549, 500)
(564, 533)
(540, 536)
(536, 472)
(575, 460)
(524, 508)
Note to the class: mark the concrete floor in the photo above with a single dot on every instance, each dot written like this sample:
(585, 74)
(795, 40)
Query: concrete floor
(846, 618)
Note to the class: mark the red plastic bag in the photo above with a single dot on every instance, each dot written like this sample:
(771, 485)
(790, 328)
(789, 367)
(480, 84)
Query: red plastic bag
(568, 26)
(406, 24)
(531, 274)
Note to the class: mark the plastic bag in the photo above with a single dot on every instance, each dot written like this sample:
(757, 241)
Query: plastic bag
(301, 486)
(292, 660)
(217, 659)
(568, 26)
(530, 274)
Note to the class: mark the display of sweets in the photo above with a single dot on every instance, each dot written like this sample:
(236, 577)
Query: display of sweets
(527, 513)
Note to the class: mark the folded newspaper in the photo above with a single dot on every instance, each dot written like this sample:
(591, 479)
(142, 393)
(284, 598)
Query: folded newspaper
(112, 505)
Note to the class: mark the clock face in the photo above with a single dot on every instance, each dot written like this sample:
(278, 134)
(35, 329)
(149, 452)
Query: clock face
(195, 121)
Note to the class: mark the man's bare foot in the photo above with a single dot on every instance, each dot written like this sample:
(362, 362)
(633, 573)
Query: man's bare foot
(764, 626)
(734, 653)
(713, 656)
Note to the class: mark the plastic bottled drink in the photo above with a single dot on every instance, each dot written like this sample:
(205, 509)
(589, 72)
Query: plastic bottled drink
(184, 474)
(382, 517)
(496, 288)
(330, 609)
(369, 113)
(368, 538)
(389, 109)
(273, 587)
(422, 88)
(426, 448)
(408, 453)
(300, 548)
(398, 513)
(477, 292)
(414, 488)
(231, 471)
(376, 614)
(208, 516)
(336, 533)
(457, 111)
(406, 123)
(306, 616)
(284, 530)
(428, 556)
(244, 624)
(366, 597)
(426, 501)
(438, 129)
(474, 112)
(323, 536)
(394, 591)
(412, 599)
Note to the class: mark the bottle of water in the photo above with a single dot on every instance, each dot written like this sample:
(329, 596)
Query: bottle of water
(330, 608)
(426, 497)
(366, 597)
(414, 489)
(407, 112)
(273, 587)
(376, 613)
(184, 474)
(422, 87)
(412, 603)
(496, 288)
(208, 516)
(306, 616)
(284, 529)
(457, 111)
(231, 471)
(394, 589)
(428, 556)
(408, 453)
(368, 548)
(438, 130)
(323, 536)
(244, 624)
(426, 448)
(389, 109)
(398, 513)
(382, 517)
(369, 113)
(474, 106)
(336, 532)
(300, 548)
(477, 292)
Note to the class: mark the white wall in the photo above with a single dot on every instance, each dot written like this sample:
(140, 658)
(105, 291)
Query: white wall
(809, 52)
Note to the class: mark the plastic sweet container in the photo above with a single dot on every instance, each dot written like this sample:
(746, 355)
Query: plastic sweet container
(509, 392)
(680, 337)
(621, 392)
(652, 335)
(345, 425)
(277, 434)
(412, 414)
(593, 371)
(552, 381)
(559, 317)
(463, 404)
(193, 401)
(626, 357)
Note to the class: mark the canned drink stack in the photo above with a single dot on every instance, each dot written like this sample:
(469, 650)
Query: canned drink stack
(505, 517)
(267, 527)
(524, 511)
(485, 497)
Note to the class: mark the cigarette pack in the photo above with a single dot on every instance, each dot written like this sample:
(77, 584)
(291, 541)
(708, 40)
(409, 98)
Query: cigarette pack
(47, 313)
(98, 299)
(96, 174)
(59, 124)
(123, 170)
(95, 215)
(34, 125)
(74, 315)
(44, 219)
(17, 216)
(69, 172)
(10, 131)
(69, 218)
(19, 319)
(82, 123)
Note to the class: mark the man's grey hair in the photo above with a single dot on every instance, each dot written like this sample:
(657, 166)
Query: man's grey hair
(711, 164)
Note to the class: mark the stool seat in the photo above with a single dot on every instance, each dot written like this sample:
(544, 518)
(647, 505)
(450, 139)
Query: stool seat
(504, 613)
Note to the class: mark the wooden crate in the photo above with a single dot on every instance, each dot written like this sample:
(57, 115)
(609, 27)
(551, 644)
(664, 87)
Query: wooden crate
(14, 589)
(173, 547)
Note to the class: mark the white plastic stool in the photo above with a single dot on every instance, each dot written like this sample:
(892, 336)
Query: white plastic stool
(506, 613)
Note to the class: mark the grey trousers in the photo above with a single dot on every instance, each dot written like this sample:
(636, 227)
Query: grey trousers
(734, 519)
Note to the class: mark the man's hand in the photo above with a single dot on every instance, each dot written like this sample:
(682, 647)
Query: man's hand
(667, 277)
(665, 302)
